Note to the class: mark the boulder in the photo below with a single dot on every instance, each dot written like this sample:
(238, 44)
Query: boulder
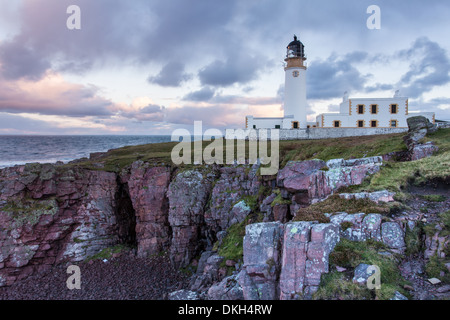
(419, 127)
(312, 180)
(377, 196)
(398, 296)
(183, 295)
(362, 274)
(208, 272)
(420, 151)
(228, 289)
(281, 213)
(393, 235)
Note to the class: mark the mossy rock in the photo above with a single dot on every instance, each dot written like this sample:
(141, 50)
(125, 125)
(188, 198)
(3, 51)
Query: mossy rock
(29, 211)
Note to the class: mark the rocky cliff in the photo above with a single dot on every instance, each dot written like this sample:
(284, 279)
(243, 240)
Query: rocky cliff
(50, 214)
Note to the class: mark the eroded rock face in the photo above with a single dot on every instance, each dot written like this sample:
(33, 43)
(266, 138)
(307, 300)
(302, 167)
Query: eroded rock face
(318, 179)
(286, 261)
(147, 188)
(188, 195)
(262, 257)
(49, 216)
(233, 184)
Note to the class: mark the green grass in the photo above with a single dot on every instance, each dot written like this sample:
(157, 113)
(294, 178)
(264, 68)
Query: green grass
(280, 200)
(396, 176)
(435, 267)
(346, 148)
(434, 197)
(413, 240)
(107, 253)
(335, 286)
(326, 149)
(430, 229)
(232, 245)
(350, 254)
(335, 204)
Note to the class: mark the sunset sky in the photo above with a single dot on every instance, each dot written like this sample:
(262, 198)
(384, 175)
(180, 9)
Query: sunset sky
(151, 66)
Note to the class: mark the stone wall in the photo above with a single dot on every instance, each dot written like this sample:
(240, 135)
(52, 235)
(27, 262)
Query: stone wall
(316, 133)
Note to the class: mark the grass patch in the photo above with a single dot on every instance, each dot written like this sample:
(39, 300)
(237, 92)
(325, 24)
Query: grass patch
(350, 254)
(430, 229)
(413, 240)
(107, 253)
(280, 200)
(346, 148)
(396, 176)
(435, 266)
(433, 197)
(335, 286)
(335, 204)
(251, 202)
(445, 220)
(232, 245)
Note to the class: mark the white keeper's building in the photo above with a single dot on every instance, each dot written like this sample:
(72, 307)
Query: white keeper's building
(354, 112)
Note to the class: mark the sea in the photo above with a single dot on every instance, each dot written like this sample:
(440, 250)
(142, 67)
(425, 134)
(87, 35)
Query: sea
(18, 150)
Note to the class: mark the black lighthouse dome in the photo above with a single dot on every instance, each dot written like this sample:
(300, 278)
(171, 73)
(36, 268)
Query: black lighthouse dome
(296, 49)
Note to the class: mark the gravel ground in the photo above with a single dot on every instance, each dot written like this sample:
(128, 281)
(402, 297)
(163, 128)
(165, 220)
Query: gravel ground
(122, 278)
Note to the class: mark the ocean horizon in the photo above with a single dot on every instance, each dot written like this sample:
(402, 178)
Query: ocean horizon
(23, 149)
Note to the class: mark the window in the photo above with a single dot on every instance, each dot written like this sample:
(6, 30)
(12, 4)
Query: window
(374, 123)
(394, 124)
(374, 109)
(295, 125)
(254, 126)
(360, 123)
(394, 108)
(360, 108)
(277, 126)
(337, 124)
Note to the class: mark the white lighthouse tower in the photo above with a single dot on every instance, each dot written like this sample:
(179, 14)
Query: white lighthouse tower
(294, 94)
(295, 87)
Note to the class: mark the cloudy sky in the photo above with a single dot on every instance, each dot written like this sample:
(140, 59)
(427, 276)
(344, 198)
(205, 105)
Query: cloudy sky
(151, 66)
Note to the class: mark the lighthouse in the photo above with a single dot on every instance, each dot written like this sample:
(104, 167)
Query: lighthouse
(295, 86)
(294, 117)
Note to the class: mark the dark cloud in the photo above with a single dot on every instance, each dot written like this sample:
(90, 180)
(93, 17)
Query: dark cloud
(331, 77)
(171, 75)
(18, 61)
(429, 68)
(204, 94)
(151, 112)
(115, 31)
(239, 68)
